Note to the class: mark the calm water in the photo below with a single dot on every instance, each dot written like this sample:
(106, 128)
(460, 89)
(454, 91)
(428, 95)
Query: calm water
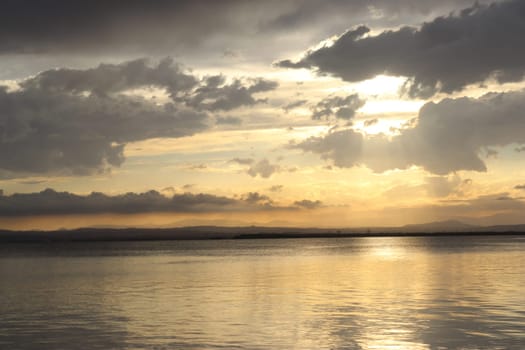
(367, 293)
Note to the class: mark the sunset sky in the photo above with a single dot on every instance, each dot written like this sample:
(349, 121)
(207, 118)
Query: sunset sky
(302, 113)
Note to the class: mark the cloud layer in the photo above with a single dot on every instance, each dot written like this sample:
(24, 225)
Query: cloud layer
(443, 55)
(50, 202)
(339, 107)
(60, 26)
(448, 136)
(78, 122)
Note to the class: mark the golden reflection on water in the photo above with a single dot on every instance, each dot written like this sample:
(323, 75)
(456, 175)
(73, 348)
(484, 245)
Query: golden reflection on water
(286, 294)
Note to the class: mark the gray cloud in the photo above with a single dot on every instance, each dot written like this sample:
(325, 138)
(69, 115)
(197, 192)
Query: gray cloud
(31, 26)
(339, 107)
(444, 55)
(111, 78)
(78, 121)
(44, 132)
(215, 93)
(293, 105)
(520, 187)
(276, 188)
(243, 161)
(263, 168)
(308, 204)
(50, 202)
(449, 136)
(211, 93)
(344, 147)
(256, 197)
(228, 120)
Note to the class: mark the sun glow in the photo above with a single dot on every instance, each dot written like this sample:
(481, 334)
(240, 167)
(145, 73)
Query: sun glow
(391, 106)
(380, 126)
(380, 85)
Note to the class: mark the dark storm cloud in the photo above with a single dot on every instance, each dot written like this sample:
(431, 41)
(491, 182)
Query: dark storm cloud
(32, 26)
(72, 121)
(443, 55)
(51, 202)
(449, 136)
(338, 107)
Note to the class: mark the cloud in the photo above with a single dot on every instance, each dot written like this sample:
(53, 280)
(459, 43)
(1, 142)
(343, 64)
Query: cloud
(492, 209)
(64, 27)
(34, 27)
(443, 186)
(216, 94)
(256, 197)
(212, 93)
(243, 161)
(443, 55)
(51, 202)
(520, 187)
(50, 133)
(371, 122)
(308, 204)
(344, 147)
(339, 107)
(276, 188)
(263, 168)
(229, 120)
(288, 107)
(448, 136)
(77, 122)
(111, 78)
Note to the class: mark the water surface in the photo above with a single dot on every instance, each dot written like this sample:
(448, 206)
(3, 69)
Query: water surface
(351, 293)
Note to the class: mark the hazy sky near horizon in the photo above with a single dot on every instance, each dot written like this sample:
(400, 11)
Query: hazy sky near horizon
(238, 112)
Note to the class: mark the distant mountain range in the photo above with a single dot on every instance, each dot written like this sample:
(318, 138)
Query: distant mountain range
(451, 227)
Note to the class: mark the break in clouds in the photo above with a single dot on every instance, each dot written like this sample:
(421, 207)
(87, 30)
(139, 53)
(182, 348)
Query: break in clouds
(448, 136)
(443, 55)
(78, 122)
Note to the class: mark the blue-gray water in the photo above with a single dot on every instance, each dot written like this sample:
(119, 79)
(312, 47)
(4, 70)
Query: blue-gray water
(366, 293)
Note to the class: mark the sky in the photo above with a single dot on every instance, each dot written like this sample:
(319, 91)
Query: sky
(334, 113)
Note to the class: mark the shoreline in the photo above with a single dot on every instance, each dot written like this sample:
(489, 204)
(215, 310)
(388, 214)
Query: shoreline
(176, 234)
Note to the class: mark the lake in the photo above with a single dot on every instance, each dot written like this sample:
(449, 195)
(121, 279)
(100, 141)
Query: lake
(348, 293)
